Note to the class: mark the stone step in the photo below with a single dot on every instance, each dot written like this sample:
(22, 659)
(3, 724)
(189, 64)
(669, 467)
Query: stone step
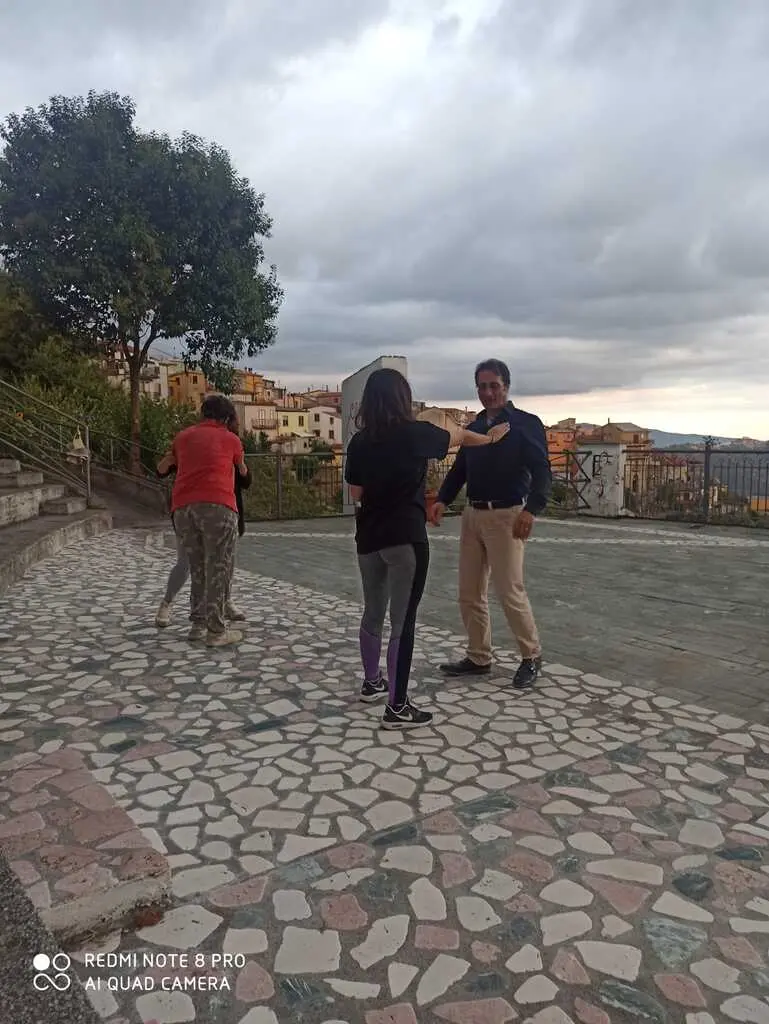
(19, 504)
(9, 467)
(25, 478)
(66, 506)
(84, 864)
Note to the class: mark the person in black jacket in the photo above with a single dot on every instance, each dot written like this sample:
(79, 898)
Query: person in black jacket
(508, 484)
(180, 572)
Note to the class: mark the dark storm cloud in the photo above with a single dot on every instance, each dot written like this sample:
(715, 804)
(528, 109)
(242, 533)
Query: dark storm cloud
(578, 186)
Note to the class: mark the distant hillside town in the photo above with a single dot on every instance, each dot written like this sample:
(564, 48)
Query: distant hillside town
(660, 467)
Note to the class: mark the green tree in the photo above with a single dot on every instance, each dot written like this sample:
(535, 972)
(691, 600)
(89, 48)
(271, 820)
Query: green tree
(125, 238)
(23, 328)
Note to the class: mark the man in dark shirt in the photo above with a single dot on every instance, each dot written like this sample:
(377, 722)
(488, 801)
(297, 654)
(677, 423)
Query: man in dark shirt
(508, 484)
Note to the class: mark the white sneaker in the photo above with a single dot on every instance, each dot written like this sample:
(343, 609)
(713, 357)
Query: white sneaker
(225, 639)
(163, 617)
(234, 614)
(196, 633)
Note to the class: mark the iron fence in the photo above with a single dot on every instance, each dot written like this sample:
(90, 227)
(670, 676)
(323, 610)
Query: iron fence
(707, 484)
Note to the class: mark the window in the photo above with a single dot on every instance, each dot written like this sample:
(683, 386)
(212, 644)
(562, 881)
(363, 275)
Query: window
(636, 438)
(331, 435)
(301, 421)
(316, 417)
(194, 378)
(285, 421)
(316, 433)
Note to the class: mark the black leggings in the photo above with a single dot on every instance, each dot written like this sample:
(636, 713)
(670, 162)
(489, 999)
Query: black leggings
(396, 576)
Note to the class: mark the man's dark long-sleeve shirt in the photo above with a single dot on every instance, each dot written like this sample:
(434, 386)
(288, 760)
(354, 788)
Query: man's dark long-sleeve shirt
(514, 470)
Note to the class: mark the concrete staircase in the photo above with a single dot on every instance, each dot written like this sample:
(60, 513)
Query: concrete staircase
(38, 517)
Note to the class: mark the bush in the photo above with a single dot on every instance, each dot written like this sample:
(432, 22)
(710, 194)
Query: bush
(299, 498)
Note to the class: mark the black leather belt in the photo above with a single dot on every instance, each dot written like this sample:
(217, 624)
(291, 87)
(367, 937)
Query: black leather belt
(493, 504)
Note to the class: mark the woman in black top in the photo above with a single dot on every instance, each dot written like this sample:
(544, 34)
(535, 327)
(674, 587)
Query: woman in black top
(386, 469)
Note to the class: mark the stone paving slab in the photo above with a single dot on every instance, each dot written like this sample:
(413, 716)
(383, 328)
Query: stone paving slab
(592, 852)
(81, 859)
(674, 609)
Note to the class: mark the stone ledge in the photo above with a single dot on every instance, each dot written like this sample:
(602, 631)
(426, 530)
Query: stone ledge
(81, 860)
(23, 544)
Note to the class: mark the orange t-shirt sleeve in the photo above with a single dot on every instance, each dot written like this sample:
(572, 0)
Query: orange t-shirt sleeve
(237, 451)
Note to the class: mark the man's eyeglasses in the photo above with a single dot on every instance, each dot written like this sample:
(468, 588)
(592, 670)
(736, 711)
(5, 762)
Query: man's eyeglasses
(494, 386)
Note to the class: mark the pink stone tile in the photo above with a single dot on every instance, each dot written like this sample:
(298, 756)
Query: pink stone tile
(351, 855)
(67, 757)
(25, 871)
(18, 761)
(133, 839)
(254, 984)
(94, 797)
(533, 794)
(402, 1013)
(445, 823)
(100, 826)
(29, 801)
(76, 779)
(143, 864)
(741, 839)
(624, 897)
(681, 989)
(528, 865)
(667, 847)
(27, 779)
(735, 877)
(22, 845)
(21, 825)
(456, 869)
(602, 825)
(641, 798)
(736, 812)
(750, 785)
(524, 904)
(626, 842)
(485, 952)
(526, 820)
(741, 951)
(239, 894)
(343, 913)
(566, 967)
(478, 1011)
(432, 937)
(587, 1013)
(63, 812)
(596, 766)
(65, 860)
(93, 878)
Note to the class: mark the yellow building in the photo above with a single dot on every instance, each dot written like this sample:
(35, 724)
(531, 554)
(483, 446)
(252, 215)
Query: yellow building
(293, 421)
(188, 387)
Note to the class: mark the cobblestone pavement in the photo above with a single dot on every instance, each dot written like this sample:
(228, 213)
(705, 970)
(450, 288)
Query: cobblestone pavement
(675, 609)
(593, 852)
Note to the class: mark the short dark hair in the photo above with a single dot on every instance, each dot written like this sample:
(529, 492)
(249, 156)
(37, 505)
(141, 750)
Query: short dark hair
(494, 366)
(386, 403)
(217, 408)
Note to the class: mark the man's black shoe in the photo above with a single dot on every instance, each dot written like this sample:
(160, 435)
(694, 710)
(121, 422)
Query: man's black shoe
(465, 667)
(527, 673)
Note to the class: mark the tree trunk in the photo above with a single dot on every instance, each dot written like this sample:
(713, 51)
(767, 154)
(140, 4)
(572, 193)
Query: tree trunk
(135, 458)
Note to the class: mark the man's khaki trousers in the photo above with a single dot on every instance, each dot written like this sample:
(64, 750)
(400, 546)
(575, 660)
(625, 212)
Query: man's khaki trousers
(487, 548)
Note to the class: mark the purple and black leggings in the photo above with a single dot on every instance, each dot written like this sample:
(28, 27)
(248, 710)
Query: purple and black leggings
(394, 576)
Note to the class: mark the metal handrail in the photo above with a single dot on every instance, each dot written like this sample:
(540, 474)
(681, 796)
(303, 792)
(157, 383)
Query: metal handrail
(33, 398)
(41, 447)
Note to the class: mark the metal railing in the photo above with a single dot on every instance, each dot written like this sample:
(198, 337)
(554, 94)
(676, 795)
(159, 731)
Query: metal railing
(706, 484)
(38, 434)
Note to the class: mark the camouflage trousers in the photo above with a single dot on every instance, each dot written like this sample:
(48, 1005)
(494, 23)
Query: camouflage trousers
(208, 534)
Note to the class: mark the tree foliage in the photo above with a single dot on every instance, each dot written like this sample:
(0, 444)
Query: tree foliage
(23, 328)
(125, 237)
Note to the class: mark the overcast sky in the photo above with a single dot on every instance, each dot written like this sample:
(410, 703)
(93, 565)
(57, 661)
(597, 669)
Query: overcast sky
(580, 187)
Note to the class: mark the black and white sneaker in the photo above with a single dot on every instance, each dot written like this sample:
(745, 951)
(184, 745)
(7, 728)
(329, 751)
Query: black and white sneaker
(406, 717)
(373, 690)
